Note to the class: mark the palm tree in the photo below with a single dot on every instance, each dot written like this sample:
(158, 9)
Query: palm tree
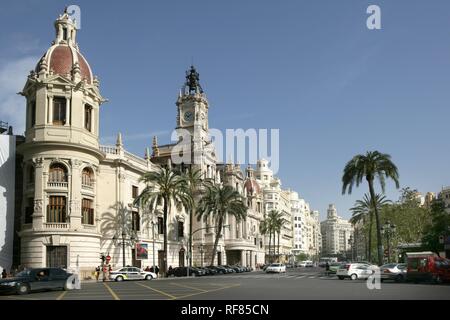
(168, 187)
(194, 181)
(274, 218)
(363, 210)
(265, 228)
(370, 166)
(218, 201)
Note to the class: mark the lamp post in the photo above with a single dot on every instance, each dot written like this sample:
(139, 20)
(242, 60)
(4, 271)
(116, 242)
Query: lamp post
(153, 235)
(388, 229)
(201, 253)
(351, 243)
(124, 236)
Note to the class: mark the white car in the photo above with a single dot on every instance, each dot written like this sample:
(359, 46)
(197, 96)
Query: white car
(131, 273)
(302, 264)
(355, 271)
(276, 267)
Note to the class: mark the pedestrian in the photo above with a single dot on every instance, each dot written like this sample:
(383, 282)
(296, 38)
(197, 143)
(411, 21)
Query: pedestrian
(4, 274)
(156, 270)
(327, 268)
(147, 268)
(104, 271)
(170, 269)
(97, 273)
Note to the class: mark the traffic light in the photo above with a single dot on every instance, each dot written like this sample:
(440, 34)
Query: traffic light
(103, 258)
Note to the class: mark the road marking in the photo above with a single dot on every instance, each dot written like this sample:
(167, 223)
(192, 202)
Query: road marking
(188, 287)
(111, 291)
(212, 290)
(312, 277)
(156, 290)
(61, 295)
(301, 277)
(20, 298)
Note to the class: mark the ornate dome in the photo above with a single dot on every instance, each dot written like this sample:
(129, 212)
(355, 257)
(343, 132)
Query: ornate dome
(64, 57)
(252, 187)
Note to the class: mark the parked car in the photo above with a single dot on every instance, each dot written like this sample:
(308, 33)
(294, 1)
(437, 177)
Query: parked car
(182, 272)
(229, 269)
(34, 280)
(354, 271)
(309, 264)
(302, 264)
(210, 271)
(131, 273)
(393, 271)
(276, 267)
(426, 266)
(219, 269)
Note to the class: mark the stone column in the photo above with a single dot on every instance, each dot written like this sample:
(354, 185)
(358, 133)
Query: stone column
(243, 257)
(50, 109)
(39, 185)
(68, 110)
(74, 184)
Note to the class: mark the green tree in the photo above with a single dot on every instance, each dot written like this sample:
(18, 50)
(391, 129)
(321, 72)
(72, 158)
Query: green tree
(363, 211)
(218, 201)
(265, 228)
(168, 187)
(437, 227)
(373, 165)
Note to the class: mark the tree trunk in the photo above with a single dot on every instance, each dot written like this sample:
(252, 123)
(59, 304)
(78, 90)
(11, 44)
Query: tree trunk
(164, 266)
(216, 241)
(370, 235)
(278, 246)
(377, 219)
(191, 213)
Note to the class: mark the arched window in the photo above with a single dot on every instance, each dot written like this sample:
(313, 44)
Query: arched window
(58, 173)
(87, 177)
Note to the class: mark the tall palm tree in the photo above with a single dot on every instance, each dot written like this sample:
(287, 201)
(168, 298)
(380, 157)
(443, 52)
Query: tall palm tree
(373, 165)
(274, 218)
(194, 182)
(168, 187)
(266, 228)
(363, 210)
(218, 201)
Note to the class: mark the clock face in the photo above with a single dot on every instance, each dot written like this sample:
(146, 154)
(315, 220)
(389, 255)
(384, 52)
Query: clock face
(188, 116)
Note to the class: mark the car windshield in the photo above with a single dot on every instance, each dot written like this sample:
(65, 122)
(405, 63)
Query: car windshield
(275, 265)
(388, 266)
(401, 266)
(24, 273)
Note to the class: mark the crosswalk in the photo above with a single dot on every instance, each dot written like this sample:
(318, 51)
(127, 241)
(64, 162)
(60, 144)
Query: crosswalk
(261, 275)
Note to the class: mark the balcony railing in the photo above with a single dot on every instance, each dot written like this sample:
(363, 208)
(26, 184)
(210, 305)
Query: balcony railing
(54, 184)
(109, 149)
(56, 225)
(88, 186)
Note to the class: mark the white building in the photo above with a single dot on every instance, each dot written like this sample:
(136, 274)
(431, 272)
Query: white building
(336, 233)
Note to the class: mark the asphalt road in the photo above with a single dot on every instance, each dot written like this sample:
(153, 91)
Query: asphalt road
(296, 284)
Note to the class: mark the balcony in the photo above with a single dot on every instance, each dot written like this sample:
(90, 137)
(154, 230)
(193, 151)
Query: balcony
(89, 186)
(56, 226)
(57, 184)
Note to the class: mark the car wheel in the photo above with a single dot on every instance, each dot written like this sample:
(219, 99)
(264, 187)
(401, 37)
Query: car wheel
(341, 277)
(23, 289)
(399, 278)
(148, 277)
(119, 278)
(354, 276)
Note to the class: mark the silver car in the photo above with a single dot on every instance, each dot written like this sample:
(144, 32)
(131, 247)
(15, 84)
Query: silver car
(131, 273)
(393, 271)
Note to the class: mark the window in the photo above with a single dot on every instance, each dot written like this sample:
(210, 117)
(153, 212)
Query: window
(180, 229)
(87, 177)
(56, 209)
(136, 221)
(87, 211)
(88, 117)
(29, 209)
(59, 111)
(56, 256)
(134, 192)
(58, 173)
(33, 113)
(255, 241)
(64, 33)
(160, 225)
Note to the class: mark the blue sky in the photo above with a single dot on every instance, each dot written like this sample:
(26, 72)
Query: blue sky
(310, 68)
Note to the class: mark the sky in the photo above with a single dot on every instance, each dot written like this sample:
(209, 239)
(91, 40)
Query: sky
(311, 69)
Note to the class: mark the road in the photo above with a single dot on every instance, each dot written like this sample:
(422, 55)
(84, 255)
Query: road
(296, 284)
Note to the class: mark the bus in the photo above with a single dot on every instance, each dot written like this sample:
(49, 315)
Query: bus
(323, 261)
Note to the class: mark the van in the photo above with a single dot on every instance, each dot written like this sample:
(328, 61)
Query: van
(427, 266)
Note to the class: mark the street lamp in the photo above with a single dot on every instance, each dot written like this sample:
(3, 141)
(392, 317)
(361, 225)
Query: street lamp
(124, 239)
(153, 235)
(200, 248)
(351, 244)
(388, 229)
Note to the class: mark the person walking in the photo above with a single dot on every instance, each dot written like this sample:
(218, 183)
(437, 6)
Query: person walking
(156, 270)
(4, 274)
(327, 268)
(97, 273)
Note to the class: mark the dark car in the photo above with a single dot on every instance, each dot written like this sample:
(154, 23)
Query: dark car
(182, 272)
(219, 269)
(35, 280)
